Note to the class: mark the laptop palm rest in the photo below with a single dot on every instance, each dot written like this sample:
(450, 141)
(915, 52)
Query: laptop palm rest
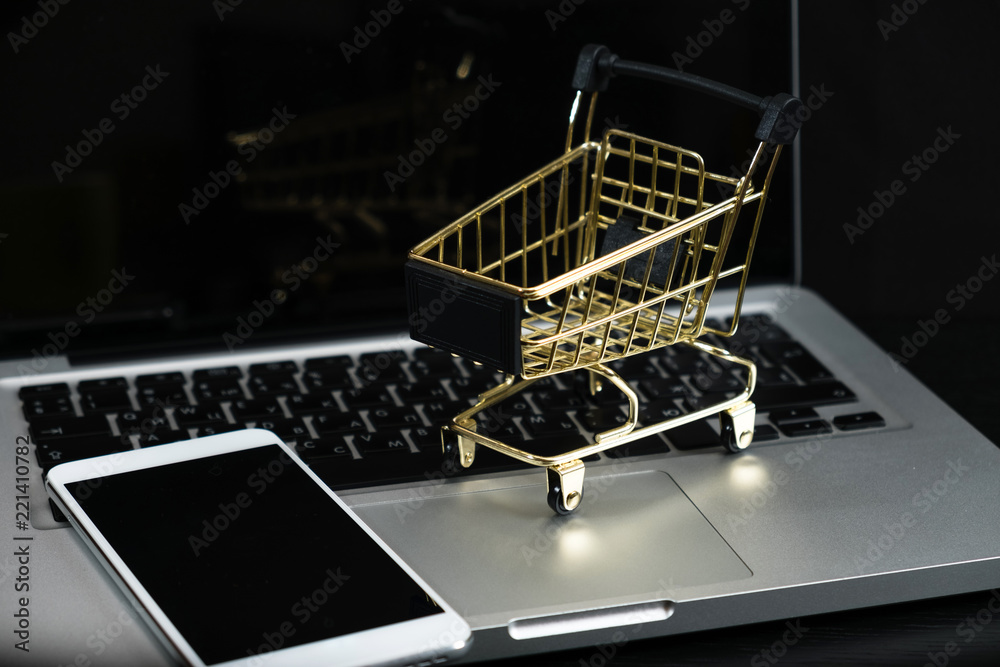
(636, 536)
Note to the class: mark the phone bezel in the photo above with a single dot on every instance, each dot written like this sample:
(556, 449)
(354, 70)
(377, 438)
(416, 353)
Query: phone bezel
(444, 635)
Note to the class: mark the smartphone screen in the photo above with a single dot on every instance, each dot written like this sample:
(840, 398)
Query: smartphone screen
(246, 554)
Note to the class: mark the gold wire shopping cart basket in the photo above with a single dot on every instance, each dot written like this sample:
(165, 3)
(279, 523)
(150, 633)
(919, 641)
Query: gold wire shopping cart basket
(609, 251)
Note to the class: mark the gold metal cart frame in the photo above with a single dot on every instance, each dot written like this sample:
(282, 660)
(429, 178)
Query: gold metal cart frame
(610, 250)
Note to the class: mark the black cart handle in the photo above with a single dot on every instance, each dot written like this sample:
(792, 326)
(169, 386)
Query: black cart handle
(778, 124)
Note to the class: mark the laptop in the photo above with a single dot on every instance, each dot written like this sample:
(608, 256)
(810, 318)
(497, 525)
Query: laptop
(210, 208)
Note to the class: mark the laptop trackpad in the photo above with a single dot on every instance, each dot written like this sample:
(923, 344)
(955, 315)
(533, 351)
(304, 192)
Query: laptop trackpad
(504, 550)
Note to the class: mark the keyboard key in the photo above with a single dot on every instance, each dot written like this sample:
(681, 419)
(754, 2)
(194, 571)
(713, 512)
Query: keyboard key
(74, 449)
(147, 419)
(284, 367)
(792, 396)
(554, 445)
(638, 366)
(321, 448)
(544, 383)
(381, 368)
(359, 397)
(687, 361)
(391, 416)
(274, 384)
(798, 360)
(764, 433)
(654, 388)
(769, 375)
(345, 473)
(53, 404)
(218, 389)
(695, 435)
(337, 422)
(39, 390)
(495, 418)
(107, 400)
(103, 383)
(651, 444)
(307, 404)
(433, 367)
(155, 412)
(223, 373)
(338, 361)
(161, 394)
(599, 420)
(47, 428)
(720, 383)
(554, 398)
(474, 385)
(506, 432)
(173, 378)
(369, 444)
(695, 403)
(792, 415)
(441, 412)
(549, 423)
(163, 437)
(439, 360)
(194, 415)
(861, 420)
(655, 412)
(250, 408)
(429, 437)
(382, 360)
(423, 390)
(608, 396)
(516, 405)
(216, 428)
(326, 378)
(286, 429)
(799, 429)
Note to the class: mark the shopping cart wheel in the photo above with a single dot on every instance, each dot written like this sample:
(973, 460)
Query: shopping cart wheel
(565, 483)
(736, 426)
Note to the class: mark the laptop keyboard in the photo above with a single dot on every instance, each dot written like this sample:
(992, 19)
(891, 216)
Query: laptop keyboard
(375, 418)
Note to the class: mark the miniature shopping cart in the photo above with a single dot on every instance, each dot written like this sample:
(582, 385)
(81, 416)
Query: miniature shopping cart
(609, 251)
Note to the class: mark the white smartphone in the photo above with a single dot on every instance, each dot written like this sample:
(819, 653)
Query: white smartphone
(240, 555)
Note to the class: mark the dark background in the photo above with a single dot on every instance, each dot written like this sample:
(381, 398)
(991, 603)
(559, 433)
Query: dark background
(324, 174)
(892, 92)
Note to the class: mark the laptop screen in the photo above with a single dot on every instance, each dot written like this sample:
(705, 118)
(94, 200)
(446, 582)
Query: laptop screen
(227, 174)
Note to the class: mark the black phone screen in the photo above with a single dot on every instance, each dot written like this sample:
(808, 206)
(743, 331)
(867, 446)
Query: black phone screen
(246, 554)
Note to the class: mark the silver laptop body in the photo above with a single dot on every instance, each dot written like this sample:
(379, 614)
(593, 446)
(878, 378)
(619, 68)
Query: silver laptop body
(663, 544)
